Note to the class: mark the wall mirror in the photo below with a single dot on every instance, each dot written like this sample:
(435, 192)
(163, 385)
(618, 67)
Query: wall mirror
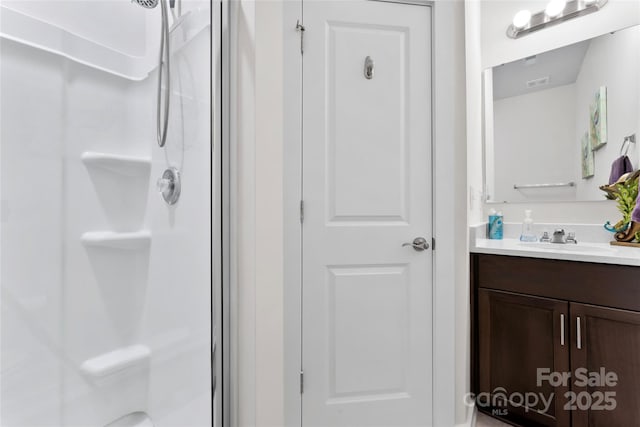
(555, 121)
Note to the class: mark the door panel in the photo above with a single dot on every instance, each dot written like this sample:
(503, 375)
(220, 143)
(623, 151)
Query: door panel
(363, 368)
(609, 339)
(367, 190)
(366, 123)
(517, 335)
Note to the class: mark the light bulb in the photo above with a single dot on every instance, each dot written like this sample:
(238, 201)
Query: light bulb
(555, 8)
(521, 19)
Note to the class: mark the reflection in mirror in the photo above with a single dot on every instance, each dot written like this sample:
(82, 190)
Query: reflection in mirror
(555, 122)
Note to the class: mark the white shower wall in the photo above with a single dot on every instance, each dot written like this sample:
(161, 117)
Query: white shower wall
(65, 302)
(114, 23)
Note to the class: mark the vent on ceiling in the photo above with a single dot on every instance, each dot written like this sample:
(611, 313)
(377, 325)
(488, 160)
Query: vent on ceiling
(542, 81)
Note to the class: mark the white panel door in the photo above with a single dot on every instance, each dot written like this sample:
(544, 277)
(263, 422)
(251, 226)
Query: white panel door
(366, 299)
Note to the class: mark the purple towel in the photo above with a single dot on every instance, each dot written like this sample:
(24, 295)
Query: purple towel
(635, 215)
(619, 167)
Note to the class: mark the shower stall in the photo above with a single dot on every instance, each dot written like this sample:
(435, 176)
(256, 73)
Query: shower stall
(107, 190)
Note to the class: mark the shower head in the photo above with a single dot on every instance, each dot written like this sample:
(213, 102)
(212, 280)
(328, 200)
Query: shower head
(148, 4)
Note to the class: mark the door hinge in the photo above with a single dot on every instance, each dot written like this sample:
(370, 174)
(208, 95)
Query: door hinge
(301, 382)
(300, 29)
(301, 211)
(433, 243)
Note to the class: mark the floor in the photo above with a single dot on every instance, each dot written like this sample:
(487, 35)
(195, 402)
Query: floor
(483, 420)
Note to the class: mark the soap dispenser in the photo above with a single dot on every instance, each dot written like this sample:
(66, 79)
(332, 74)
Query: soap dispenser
(495, 225)
(527, 228)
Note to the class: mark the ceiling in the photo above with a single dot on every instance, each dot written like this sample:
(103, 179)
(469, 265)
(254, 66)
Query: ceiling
(560, 67)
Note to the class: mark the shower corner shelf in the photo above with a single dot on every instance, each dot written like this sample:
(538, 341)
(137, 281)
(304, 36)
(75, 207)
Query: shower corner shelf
(125, 241)
(116, 361)
(124, 165)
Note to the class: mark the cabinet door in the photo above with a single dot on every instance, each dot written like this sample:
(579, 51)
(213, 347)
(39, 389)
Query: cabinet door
(518, 336)
(606, 342)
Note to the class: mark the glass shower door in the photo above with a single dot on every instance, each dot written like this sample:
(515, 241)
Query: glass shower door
(106, 289)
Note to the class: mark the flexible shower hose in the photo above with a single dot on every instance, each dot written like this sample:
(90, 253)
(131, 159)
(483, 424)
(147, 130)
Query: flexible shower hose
(164, 52)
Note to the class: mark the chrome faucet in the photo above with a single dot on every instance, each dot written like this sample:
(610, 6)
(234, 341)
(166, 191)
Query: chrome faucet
(558, 236)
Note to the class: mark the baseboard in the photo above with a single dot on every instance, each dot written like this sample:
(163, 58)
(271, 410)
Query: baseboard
(471, 418)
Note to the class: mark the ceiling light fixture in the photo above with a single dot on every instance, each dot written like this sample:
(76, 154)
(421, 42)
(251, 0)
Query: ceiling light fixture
(557, 11)
(521, 19)
(555, 8)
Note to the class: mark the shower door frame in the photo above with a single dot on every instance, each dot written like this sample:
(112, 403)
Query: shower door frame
(220, 242)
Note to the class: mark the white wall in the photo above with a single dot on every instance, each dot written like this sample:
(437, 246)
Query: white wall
(531, 145)
(31, 235)
(269, 214)
(474, 86)
(64, 302)
(486, 24)
(257, 188)
(612, 60)
(242, 207)
(496, 15)
(451, 291)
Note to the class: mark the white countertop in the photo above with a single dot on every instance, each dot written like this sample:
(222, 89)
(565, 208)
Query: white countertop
(603, 253)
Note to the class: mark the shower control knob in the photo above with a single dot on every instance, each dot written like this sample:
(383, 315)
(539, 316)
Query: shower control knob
(163, 185)
(169, 186)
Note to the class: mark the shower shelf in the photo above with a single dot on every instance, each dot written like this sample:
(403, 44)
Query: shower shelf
(109, 239)
(116, 361)
(124, 165)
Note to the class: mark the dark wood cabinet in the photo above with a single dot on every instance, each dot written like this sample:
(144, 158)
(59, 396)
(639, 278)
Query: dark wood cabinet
(520, 335)
(579, 323)
(609, 345)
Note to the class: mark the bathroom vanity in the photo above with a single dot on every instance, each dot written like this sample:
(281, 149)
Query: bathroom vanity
(537, 319)
(555, 327)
